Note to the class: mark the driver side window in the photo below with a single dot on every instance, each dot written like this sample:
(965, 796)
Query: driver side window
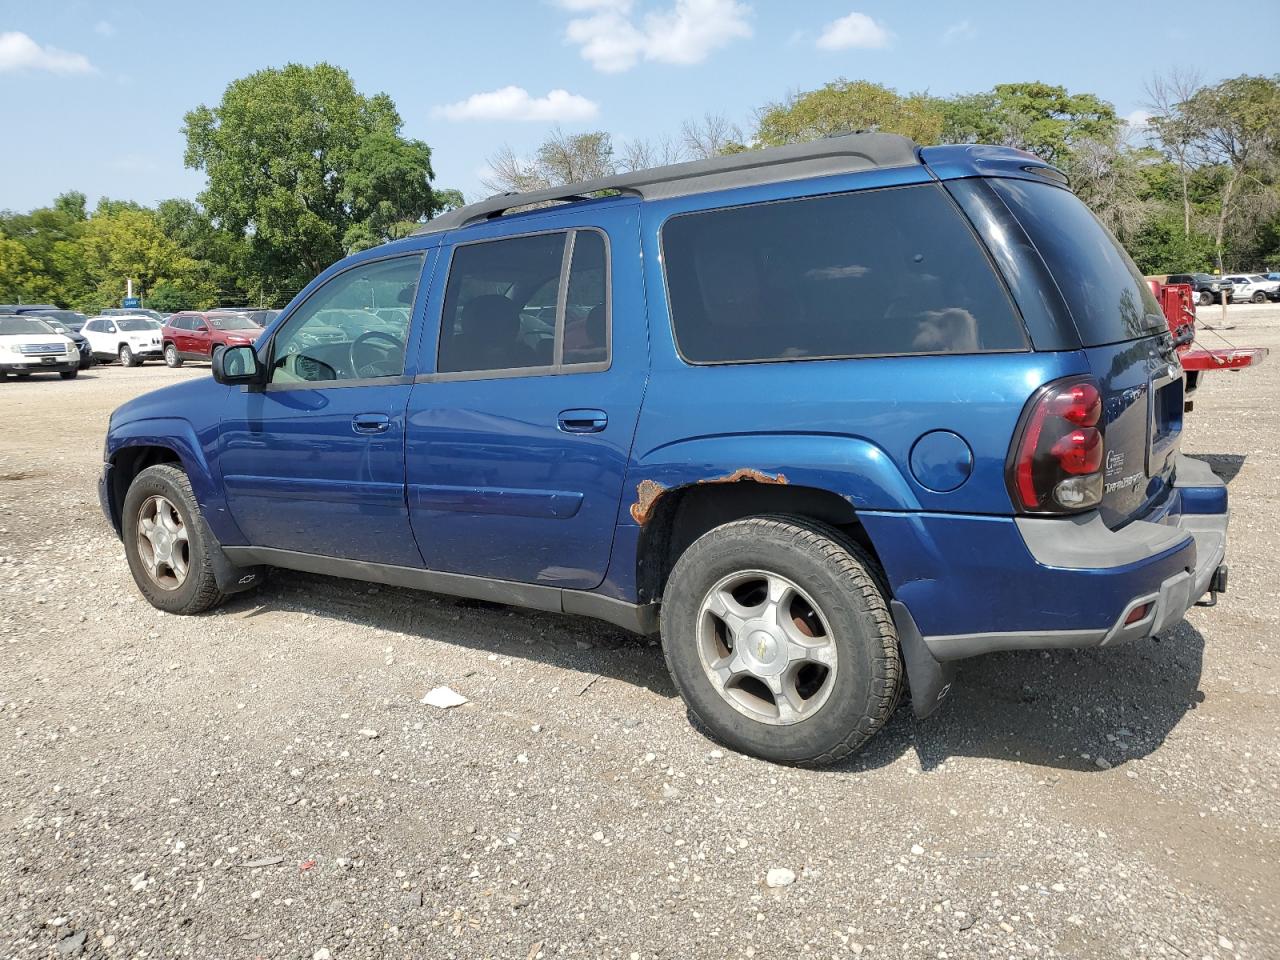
(355, 327)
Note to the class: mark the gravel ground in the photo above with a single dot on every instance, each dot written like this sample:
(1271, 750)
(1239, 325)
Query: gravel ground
(264, 781)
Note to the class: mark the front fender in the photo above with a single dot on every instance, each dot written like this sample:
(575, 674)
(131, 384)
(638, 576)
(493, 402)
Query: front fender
(178, 435)
(851, 467)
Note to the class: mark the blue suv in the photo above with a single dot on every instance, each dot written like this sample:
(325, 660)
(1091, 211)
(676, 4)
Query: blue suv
(829, 417)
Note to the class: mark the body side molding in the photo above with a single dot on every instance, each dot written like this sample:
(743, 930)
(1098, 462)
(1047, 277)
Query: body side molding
(638, 618)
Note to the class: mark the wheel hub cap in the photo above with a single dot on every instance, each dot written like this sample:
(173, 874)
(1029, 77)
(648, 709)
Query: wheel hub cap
(766, 647)
(162, 543)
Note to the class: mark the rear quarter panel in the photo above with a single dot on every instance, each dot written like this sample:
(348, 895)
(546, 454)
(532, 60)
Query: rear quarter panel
(844, 425)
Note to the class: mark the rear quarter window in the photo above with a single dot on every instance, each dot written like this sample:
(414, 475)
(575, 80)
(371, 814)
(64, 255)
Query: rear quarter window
(1109, 300)
(875, 273)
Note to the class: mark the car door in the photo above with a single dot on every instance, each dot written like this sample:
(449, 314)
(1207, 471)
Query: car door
(314, 462)
(90, 332)
(198, 338)
(105, 340)
(518, 437)
(176, 330)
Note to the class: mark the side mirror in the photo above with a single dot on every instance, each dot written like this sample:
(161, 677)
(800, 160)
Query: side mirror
(237, 365)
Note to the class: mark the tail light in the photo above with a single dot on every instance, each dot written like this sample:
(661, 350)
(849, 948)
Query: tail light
(1056, 463)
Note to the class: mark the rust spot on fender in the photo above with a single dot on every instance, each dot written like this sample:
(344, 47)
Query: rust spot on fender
(649, 492)
(746, 473)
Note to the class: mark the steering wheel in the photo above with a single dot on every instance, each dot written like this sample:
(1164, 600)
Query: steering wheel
(371, 368)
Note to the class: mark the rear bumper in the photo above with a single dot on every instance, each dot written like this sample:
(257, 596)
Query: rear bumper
(990, 584)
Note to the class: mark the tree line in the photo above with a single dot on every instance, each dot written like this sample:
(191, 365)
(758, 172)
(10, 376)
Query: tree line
(302, 169)
(1195, 186)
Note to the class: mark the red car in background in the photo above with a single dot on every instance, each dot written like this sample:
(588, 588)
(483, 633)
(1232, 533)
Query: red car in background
(196, 335)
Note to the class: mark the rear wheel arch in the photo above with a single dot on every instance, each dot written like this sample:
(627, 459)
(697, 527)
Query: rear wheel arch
(680, 515)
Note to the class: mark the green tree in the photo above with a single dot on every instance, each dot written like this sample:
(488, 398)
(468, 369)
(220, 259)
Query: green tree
(1043, 119)
(304, 165)
(121, 243)
(1238, 124)
(1160, 245)
(844, 106)
(20, 277)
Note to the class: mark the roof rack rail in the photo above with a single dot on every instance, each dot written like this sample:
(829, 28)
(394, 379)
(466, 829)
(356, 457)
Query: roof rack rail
(829, 156)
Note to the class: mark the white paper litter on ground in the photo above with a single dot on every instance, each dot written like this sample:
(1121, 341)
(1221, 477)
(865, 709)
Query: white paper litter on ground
(444, 698)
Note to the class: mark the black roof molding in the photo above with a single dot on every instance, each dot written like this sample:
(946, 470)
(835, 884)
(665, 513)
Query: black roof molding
(833, 155)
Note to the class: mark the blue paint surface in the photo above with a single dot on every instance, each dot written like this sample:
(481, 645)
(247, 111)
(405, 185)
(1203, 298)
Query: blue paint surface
(479, 476)
(941, 461)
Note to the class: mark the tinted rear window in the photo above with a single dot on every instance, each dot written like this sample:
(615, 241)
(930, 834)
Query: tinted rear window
(874, 273)
(1108, 298)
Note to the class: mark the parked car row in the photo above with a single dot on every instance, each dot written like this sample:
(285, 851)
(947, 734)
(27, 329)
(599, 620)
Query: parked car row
(1253, 288)
(29, 345)
(1231, 288)
(128, 336)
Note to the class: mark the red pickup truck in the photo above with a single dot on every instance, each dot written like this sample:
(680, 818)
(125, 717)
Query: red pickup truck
(1177, 301)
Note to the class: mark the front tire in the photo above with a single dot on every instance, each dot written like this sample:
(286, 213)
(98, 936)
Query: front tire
(1205, 298)
(166, 542)
(70, 374)
(1259, 297)
(780, 641)
(127, 357)
(171, 357)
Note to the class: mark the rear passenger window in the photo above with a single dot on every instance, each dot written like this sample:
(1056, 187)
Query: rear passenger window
(525, 305)
(586, 313)
(875, 273)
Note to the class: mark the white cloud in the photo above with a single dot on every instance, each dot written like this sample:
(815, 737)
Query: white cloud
(855, 30)
(1138, 119)
(104, 28)
(515, 103)
(958, 31)
(613, 40)
(19, 52)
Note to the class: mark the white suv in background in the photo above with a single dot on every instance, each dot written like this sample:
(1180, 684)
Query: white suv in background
(131, 340)
(29, 345)
(1253, 287)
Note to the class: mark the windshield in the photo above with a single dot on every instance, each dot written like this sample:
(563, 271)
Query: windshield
(18, 326)
(232, 321)
(1109, 300)
(66, 316)
(135, 323)
(59, 327)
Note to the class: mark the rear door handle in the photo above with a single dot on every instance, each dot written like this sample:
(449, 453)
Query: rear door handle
(370, 423)
(583, 421)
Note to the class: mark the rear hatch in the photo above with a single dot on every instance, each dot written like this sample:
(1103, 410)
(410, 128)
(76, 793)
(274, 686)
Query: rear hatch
(1125, 339)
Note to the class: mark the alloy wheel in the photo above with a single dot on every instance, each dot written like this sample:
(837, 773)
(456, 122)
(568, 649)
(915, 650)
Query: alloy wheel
(766, 647)
(162, 543)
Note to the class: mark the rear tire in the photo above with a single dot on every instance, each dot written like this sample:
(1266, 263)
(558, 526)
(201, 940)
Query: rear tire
(127, 357)
(171, 357)
(184, 583)
(801, 664)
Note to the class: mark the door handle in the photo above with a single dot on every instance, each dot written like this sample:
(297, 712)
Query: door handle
(582, 421)
(370, 423)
